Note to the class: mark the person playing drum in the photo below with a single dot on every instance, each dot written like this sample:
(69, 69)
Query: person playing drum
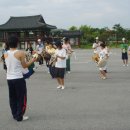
(96, 47)
(103, 56)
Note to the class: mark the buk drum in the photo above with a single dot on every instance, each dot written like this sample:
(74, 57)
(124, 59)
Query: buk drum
(102, 63)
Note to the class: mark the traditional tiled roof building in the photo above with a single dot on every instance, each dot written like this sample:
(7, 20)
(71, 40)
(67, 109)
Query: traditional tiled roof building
(26, 28)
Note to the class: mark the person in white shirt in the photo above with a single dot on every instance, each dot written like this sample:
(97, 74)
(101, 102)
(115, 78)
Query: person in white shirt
(39, 49)
(66, 45)
(96, 46)
(60, 64)
(15, 62)
(103, 57)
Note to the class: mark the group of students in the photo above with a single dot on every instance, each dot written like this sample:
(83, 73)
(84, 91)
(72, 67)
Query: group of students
(57, 57)
(15, 61)
(101, 55)
(44, 52)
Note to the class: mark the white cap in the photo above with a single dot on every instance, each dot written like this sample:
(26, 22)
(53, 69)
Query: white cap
(123, 39)
(96, 38)
(39, 40)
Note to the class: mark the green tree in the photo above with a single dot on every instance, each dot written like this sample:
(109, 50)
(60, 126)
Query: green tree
(87, 33)
(73, 28)
(105, 34)
(128, 34)
(119, 32)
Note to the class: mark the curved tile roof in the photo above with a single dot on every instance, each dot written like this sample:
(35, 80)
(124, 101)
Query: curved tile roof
(26, 22)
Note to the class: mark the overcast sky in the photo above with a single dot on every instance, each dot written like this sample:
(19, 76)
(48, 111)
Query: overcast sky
(65, 13)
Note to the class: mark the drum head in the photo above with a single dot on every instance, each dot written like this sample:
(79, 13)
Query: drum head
(102, 63)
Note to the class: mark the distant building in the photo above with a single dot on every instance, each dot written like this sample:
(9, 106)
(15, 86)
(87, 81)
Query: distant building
(73, 35)
(27, 28)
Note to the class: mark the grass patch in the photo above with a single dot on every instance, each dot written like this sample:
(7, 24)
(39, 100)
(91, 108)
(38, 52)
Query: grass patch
(87, 46)
(111, 45)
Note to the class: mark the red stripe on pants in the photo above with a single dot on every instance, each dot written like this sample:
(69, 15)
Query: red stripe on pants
(25, 104)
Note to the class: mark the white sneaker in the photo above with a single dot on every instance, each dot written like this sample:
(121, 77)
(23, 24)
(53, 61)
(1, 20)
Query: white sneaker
(63, 87)
(127, 65)
(35, 68)
(124, 65)
(59, 87)
(68, 72)
(25, 118)
(103, 77)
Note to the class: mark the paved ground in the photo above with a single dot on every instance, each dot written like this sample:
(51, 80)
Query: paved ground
(87, 103)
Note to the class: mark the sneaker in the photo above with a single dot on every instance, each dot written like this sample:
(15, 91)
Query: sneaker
(124, 65)
(35, 68)
(105, 71)
(25, 118)
(103, 77)
(63, 87)
(68, 72)
(59, 87)
(127, 65)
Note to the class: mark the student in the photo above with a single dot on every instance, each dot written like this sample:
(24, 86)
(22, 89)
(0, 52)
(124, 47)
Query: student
(51, 51)
(67, 47)
(96, 50)
(29, 48)
(27, 72)
(60, 64)
(15, 61)
(124, 49)
(4, 50)
(39, 49)
(103, 55)
(96, 46)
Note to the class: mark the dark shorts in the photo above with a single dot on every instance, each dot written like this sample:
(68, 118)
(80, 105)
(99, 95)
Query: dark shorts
(60, 72)
(124, 56)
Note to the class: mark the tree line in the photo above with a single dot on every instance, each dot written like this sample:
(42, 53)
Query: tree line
(105, 34)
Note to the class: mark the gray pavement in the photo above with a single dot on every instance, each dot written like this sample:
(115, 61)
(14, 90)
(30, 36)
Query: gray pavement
(87, 103)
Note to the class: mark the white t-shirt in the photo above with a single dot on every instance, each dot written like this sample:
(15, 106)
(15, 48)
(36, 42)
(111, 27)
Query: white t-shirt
(96, 47)
(103, 53)
(67, 47)
(61, 63)
(108, 51)
(39, 48)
